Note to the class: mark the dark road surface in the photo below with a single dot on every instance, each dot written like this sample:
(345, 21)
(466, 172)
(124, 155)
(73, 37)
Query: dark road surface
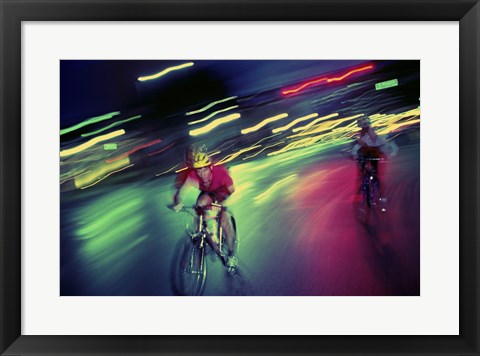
(302, 239)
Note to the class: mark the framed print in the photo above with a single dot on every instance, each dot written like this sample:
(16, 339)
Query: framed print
(241, 177)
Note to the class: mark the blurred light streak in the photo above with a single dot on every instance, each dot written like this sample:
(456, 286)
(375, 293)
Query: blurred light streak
(232, 156)
(394, 127)
(161, 150)
(104, 215)
(296, 144)
(263, 149)
(169, 170)
(239, 193)
(323, 118)
(257, 168)
(273, 188)
(165, 71)
(89, 121)
(69, 176)
(93, 141)
(212, 115)
(151, 143)
(265, 138)
(106, 176)
(214, 153)
(263, 123)
(181, 169)
(111, 125)
(304, 152)
(214, 124)
(324, 126)
(294, 122)
(328, 80)
(95, 174)
(210, 105)
(350, 73)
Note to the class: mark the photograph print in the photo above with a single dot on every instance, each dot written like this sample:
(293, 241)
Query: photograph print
(239, 177)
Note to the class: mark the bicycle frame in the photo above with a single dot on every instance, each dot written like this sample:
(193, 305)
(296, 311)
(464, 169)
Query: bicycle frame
(202, 228)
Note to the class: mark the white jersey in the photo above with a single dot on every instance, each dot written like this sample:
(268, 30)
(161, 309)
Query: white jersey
(371, 139)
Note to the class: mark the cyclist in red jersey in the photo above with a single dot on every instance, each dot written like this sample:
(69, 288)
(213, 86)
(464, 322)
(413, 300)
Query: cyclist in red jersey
(215, 185)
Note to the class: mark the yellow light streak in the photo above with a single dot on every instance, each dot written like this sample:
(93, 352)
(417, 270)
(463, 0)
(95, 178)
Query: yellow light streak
(265, 138)
(90, 143)
(212, 115)
(324, 126)
(181, 169)
(274, 187)
(232, 156)
(214, 124)
(397, 126)
(86, 179)
(263, 123)
(165, 71)
(263, 149)
(108, 175)
(210, 105)
(323, 118)
(294, 122)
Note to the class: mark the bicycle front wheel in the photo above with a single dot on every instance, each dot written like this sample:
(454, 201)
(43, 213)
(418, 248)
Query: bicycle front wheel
(192, 269)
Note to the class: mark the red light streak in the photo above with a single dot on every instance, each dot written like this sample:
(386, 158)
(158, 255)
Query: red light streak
(161, 150)
(328, 80)
(133, 150)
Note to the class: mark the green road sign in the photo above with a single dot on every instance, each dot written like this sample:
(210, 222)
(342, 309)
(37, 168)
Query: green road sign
(109, 146)
(387, 84)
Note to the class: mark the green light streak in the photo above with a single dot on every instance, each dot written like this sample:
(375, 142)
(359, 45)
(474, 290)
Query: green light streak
(89, 121)
(268, 193)
(106, 214)
(111, 125)
(210, 105)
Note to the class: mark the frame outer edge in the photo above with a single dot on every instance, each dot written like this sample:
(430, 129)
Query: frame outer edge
(470, 178)
(10, 178)
(10, 190)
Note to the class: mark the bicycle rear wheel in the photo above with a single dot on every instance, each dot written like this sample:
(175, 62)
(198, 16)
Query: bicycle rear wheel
(192, 269)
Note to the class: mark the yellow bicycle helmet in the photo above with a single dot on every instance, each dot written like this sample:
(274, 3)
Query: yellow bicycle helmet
(191, 151)
(201, 160)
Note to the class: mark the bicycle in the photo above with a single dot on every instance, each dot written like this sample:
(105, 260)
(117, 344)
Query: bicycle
(371, 201)
(190, 266)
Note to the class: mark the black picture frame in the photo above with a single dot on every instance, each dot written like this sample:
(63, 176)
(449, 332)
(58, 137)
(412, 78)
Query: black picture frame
(13, 12)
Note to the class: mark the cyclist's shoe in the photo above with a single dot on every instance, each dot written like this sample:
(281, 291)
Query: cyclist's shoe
(232, 264)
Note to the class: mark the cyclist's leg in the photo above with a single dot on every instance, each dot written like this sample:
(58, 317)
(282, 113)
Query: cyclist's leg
(228, 229)
(204, 199)
(361, 163)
